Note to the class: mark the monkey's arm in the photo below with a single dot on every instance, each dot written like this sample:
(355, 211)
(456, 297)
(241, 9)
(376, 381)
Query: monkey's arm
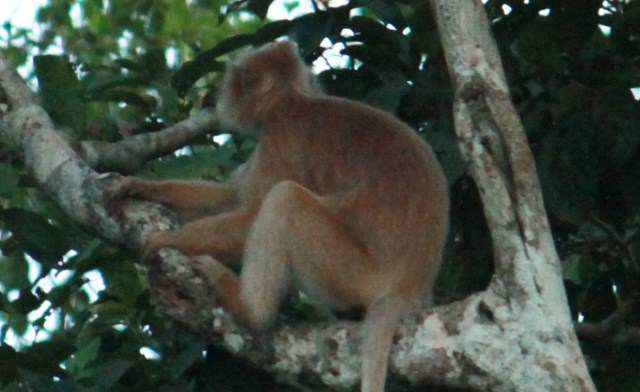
(190, 198)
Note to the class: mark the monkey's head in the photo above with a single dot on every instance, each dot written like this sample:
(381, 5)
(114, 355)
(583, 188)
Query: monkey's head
(258, 82)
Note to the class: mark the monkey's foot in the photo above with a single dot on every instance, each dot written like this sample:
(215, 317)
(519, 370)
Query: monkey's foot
(214, 271)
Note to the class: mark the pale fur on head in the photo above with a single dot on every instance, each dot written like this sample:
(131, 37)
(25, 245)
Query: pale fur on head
(257, 82)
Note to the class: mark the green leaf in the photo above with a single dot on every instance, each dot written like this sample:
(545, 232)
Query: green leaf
(52, 351)
(615, 117)
(145, 102)
(571, 269)
(111, 371)
(190, 351)
(154, 64)
(87, 352)
(568, 172)
(259, 7)
(203, 162)
(8, 364)
(309, 30)
(42, 240)
(26, 302)
(125, 282)
(389, 95)
(387, 10)
(573, 23)
(60, 295)
(82, 260)
(61, 91)
(130, 65)
(19, 323)
(536, 45)
(14, 269)
(9, 179)
(587, 270)
(347, 83)
(208, 61)
(45, 383)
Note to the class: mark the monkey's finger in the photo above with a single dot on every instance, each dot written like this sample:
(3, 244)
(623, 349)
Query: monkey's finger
(120, 188)
(155, 241)
(211, 269)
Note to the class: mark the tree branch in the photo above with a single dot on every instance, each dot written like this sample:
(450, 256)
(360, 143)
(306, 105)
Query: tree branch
(616, 326)
(528, 281)
(130, 154)
(13, 87)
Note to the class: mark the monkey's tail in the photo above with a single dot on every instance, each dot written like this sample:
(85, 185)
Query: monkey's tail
(379, 326)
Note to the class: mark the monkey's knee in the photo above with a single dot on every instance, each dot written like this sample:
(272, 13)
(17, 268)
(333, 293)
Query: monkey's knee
(286, 196)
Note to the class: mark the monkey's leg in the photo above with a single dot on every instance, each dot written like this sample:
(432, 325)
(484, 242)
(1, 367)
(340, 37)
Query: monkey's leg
(221, 236)
(295, 238)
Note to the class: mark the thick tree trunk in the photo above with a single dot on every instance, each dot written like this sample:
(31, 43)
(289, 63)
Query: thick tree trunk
(526, 297)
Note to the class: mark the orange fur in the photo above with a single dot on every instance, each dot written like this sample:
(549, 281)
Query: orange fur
(339, 200)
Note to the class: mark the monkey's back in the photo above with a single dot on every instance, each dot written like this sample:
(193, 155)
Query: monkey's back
(382, 180)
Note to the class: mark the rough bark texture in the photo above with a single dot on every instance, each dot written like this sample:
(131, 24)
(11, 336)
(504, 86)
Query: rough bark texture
(515, 336)
(130, 154)
(526, 298)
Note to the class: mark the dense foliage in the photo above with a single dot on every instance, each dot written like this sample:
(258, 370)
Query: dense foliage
(131, 66)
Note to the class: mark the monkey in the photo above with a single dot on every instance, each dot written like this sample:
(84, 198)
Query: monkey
(339, 200)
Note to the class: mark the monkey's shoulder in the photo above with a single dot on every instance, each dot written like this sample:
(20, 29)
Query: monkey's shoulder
(325, 117)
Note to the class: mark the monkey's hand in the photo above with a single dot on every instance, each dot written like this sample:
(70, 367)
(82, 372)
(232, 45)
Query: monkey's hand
(122, 187)
(156, 241)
